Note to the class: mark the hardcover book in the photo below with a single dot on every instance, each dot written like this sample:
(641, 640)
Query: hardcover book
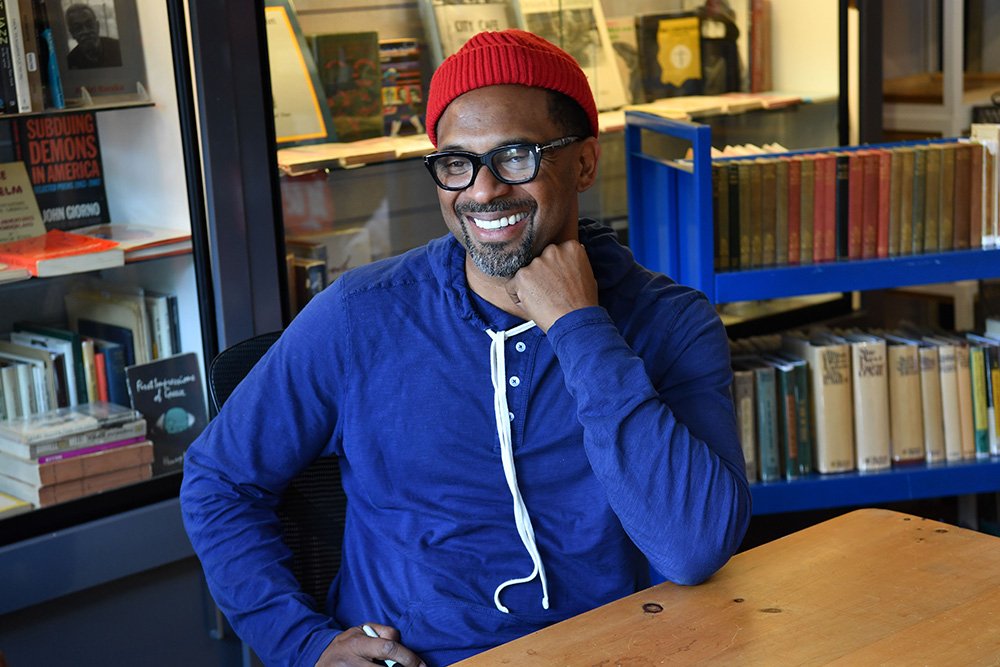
(744, 402)
(168, 392)
(44, 496)
(350, 74)
(57, 253)
(766, 408)
(931, 404)
(63, 157)
(906, 430)
(831, 396)
(871, 401)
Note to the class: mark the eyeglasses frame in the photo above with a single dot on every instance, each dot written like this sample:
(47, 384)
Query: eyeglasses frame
(479, 160)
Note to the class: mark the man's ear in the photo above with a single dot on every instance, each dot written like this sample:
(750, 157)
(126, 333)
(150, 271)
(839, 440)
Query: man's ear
(590, 153)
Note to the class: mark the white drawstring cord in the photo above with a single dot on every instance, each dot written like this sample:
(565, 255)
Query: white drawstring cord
(498, 372)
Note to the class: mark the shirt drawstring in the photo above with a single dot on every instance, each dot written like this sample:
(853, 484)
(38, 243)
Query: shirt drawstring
(498, 372)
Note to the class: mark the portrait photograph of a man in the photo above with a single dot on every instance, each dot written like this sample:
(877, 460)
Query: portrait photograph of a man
(93, 36)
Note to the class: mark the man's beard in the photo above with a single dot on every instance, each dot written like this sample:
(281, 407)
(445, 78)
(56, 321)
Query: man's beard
(498, 260)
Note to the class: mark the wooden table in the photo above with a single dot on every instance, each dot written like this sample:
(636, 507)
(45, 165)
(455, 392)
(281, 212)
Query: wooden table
(868, 587)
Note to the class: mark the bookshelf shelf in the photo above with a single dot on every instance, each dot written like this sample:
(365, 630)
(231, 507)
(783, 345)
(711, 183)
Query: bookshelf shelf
(855, 275)
(671, 230)
(911, 482)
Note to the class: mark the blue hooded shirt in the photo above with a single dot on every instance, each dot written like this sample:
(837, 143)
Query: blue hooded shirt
(623, 437)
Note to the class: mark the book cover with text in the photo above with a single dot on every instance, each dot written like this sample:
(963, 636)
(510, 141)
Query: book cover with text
(63, 157)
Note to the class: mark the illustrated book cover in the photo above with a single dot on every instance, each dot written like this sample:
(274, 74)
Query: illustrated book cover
(350, 74)
(168, 392)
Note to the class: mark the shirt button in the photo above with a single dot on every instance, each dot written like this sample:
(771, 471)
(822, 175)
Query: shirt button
(514, 381)
(510, 416)
(520, 347)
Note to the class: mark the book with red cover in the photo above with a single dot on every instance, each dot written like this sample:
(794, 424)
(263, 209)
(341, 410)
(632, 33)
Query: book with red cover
(824, 235)
(57, 253)
(855, 221)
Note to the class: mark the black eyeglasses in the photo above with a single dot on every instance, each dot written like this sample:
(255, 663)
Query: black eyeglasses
(512, 164)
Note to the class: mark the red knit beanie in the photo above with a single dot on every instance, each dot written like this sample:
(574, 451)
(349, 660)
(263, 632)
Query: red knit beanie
(507, 57)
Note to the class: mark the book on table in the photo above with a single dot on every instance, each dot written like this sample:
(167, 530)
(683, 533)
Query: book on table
(139, 242)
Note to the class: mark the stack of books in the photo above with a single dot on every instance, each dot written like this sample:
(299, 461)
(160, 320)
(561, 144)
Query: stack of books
(69, 453)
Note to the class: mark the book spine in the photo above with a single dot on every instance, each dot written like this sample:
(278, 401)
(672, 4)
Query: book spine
(781, 212)
(895, 189)
(932, 203)
(871, 405)
(993, 376)
(93, 449)
(905, 246)
(948, 368)
(794, 211)
(99, 436)
(8, 83)
(906, 426)
(980, 417)
(756, 215)
(946, 224)
(720, 208)
(919, 200)
(746, 223)
(979, 233)
(768, 453)
(768, 211)
(89, 369)
(32, 62)
(788, 426)
(842, 206)
(963, 382)
(47, 50)
(744, 400)
(802, 407)
(963, 192)
(931, 405)
(735, 239)
(15, 30)
(884, 203)
(807, 209)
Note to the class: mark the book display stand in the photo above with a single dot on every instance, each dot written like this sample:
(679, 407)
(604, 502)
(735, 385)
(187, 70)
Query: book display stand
(671, 230)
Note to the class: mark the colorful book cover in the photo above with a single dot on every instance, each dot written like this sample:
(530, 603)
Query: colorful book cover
(403, 103)
(350, 73)
(63, 157)
(168, 392)
(669, 54)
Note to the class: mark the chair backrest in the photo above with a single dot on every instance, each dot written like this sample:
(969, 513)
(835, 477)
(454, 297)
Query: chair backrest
(313, 506)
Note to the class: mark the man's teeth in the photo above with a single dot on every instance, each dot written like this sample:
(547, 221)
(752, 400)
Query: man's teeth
(500, 223)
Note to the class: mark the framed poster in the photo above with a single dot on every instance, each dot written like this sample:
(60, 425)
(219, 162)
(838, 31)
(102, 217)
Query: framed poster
(450, 23)
(300, 111)
(98, 49)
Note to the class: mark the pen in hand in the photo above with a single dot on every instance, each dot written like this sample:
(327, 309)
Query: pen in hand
(371, 633)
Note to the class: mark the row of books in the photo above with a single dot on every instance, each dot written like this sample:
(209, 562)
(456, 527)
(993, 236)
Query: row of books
(109, 329)
(867, 202)
(315, 260)
(832, 401)
(69, 453)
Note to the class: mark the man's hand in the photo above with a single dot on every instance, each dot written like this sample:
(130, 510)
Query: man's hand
(353, 647)
(558, 281)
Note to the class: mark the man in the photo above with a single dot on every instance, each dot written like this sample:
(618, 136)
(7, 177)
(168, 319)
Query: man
(523, 362)
(91, 50)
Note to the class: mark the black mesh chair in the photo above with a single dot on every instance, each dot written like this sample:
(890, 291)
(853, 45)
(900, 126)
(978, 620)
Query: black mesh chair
(313, 506)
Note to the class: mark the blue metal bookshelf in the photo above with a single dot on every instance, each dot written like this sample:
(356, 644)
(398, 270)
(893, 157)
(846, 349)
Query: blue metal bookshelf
(671, 230)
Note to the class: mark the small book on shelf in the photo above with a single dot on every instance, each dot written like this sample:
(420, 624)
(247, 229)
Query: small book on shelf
(51, 494)
(58, 253)
(40, 473)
